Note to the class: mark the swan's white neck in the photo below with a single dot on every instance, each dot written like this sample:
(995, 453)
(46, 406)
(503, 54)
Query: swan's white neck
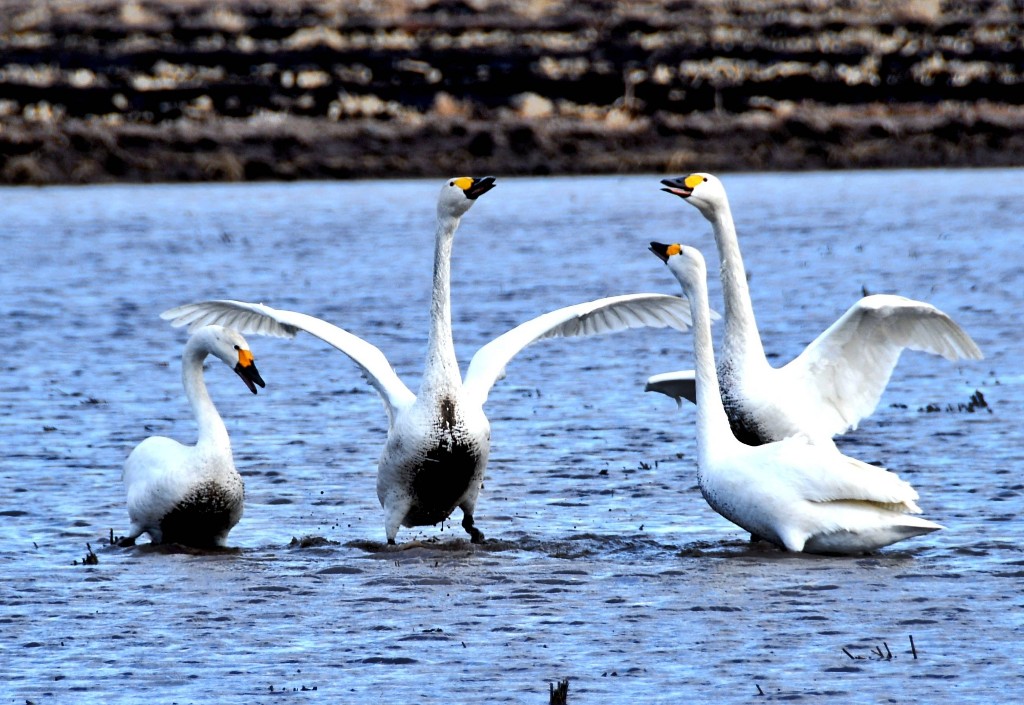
(741, 336)
(442, 369)
(212, 432)
(713, 430)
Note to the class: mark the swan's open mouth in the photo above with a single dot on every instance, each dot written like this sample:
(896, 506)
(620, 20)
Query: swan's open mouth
(479, 187)
(677, 187)
(660, 249)
(250, 375)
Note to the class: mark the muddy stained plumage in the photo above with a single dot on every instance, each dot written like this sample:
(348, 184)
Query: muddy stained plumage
(744, 426)
(449, 469)
(205, 516)
(604, 564)
(439, 483)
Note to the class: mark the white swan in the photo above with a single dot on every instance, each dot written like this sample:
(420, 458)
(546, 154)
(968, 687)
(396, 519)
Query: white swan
(191, 495)
(439, 439)
(837, 380)
(795, 493)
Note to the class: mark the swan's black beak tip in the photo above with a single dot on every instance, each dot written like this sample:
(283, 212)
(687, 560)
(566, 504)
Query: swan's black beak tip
(250, 375)
(661, 250)
(479, 187)
(677, 187)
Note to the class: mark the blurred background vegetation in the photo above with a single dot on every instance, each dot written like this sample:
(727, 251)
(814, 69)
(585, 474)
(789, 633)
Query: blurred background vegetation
(184, 90)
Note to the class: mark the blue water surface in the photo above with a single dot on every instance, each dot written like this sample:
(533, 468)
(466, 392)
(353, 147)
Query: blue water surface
(604, 565)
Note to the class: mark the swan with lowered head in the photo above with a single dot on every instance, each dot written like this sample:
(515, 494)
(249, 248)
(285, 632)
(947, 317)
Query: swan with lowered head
(797, 494)
(837, 380)
(438, 439)
(191, 495)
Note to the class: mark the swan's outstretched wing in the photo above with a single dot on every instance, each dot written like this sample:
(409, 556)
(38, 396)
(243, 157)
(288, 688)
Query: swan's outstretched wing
(605, 315)
(264, 320)
(848, 366)
(678, 385)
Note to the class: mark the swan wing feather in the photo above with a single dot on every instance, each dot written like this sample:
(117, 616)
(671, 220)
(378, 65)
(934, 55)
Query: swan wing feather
(849, 365)
(260, 319)
(606, 315)
(678, 385)
(822, 474)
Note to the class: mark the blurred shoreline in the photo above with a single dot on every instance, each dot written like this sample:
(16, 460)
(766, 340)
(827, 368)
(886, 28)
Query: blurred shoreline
(185, 90)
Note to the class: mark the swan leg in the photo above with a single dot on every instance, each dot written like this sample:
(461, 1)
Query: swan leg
(475, 535)
(396, 504)
(393, 522)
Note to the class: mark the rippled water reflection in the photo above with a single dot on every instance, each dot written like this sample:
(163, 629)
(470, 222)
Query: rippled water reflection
(603, 564)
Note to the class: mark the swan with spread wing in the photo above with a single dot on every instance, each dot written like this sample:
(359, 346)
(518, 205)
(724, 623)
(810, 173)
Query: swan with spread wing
(800, 495)
(837, 380)
(438, 439)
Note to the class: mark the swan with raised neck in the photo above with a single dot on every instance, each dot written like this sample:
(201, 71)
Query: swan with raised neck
(438, 439)
(837, 380)
(794, 493)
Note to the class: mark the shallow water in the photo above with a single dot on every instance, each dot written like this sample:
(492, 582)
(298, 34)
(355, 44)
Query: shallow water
(603, 564)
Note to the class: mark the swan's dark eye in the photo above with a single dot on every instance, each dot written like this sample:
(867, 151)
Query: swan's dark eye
(237, 348)
(451, 183)
(705, 178)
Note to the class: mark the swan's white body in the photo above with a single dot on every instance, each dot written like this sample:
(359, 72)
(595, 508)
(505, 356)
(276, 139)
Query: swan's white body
(797, 494)
(191, 495)
(837, 380)
(439, 438)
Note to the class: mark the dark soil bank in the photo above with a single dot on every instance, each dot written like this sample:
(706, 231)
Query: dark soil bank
(164, 90)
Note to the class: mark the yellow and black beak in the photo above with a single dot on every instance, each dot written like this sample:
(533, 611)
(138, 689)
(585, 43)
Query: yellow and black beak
(478, 187)
(246, 369)
(682, 186)
(664, 251)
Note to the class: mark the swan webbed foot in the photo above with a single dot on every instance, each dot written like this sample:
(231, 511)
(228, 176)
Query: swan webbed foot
(125, 541)
(475, 535)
